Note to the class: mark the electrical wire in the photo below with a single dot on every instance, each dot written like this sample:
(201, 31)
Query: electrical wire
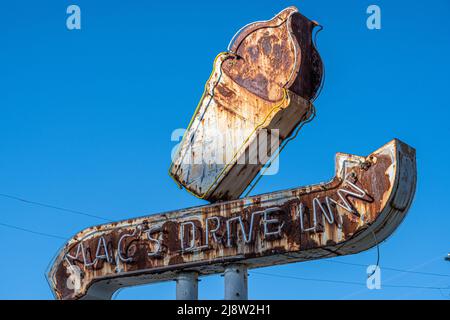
(344, 282)
(53, 207)
(10, 226)
(392, 269)
(322, 82)
(378, 254)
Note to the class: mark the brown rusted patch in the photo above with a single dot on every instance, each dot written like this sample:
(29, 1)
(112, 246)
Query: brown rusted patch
(224, 91)
(170, 236)
(176, 260)
(275, 50)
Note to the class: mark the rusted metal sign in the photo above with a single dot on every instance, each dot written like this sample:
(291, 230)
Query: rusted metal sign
(362, 205)
(264, 83)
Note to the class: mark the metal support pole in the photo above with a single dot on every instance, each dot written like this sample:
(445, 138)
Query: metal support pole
(235, 278)
(187, 286)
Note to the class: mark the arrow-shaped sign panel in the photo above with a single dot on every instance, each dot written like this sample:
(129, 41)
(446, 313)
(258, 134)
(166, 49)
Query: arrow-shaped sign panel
(360, 207)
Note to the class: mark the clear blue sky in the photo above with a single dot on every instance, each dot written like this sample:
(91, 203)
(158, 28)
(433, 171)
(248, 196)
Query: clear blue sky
(86, 118)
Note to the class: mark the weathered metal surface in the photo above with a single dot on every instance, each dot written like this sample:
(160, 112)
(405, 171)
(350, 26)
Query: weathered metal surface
(187, 286)
(363, 204)
(264, 83)
(236, 282)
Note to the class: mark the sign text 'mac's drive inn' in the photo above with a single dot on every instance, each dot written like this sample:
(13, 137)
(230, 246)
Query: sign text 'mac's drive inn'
(359, 207)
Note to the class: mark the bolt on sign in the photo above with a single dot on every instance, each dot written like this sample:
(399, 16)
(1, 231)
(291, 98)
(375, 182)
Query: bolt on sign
(360, 207)
(258, 93)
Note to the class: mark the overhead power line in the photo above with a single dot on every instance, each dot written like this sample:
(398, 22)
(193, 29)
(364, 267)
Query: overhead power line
(345, 282)
(54, 207)
(392, 269)
(31, 231)
(306, 279)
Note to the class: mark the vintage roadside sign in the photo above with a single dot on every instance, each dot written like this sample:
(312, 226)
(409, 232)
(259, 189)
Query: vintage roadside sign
(360, 207)
(265, 82)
